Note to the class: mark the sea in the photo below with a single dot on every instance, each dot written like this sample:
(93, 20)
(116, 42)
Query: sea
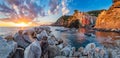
(75, 39)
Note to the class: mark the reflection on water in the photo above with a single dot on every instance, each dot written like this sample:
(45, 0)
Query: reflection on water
(108, 39)
(85, 36)
(77, 39)
(82, 30)
(108, 35)
(60, 35)
(10, 30)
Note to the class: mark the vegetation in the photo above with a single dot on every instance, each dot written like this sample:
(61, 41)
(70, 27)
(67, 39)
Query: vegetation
(65, 17)
(95, 12)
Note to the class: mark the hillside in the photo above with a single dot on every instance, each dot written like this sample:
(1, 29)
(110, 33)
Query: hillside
(109, 19)
(95, 12)
(62, 21)
(78, 19)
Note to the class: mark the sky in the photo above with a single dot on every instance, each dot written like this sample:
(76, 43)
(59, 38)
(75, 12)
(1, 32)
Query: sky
(45, 11)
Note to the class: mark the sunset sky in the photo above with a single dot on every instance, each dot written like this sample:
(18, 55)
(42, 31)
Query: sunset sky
(34, 12)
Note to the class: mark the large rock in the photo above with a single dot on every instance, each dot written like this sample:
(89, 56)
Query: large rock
(60, 57)
(7, 49)
(109, 19)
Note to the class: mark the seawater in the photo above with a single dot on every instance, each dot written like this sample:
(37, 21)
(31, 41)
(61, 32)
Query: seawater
(10, 30)
(77, 39)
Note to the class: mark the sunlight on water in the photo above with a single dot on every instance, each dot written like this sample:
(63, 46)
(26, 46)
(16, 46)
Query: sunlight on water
(10, 30)
(77, 39)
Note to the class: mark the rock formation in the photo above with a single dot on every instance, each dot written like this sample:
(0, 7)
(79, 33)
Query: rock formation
(7, 49)
(76, 20)
(79, 19)
(110, 19)
(62, 21)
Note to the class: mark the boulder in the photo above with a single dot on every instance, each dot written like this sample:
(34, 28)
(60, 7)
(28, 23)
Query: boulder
(7, 49)
(53, 51)
(60, 57)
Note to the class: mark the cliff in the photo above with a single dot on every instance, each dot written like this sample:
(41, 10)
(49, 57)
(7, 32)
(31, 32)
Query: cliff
(110, 19)
(62, 21)
(78, 19)
(81, 19)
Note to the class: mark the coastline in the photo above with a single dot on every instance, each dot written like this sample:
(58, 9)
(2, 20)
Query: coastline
(108, 49)
(107, 30)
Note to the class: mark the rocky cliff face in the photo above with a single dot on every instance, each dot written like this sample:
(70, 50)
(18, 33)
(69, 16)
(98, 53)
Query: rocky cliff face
(62, 21)
(76, 20)
(109, 19)
(80, 19)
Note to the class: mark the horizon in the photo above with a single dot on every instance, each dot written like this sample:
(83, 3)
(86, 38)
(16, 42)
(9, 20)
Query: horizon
(16, 12)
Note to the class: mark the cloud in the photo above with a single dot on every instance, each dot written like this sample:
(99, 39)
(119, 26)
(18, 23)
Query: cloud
(30, 9)
(15, 8)
(57, 6)
(65, 10)
(54, 6)
(49, 12)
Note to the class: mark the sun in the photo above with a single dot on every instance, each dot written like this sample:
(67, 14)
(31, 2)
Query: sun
(22, 24)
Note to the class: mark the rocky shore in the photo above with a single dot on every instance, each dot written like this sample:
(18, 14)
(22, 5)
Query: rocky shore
(107, 30)
(12, 47)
